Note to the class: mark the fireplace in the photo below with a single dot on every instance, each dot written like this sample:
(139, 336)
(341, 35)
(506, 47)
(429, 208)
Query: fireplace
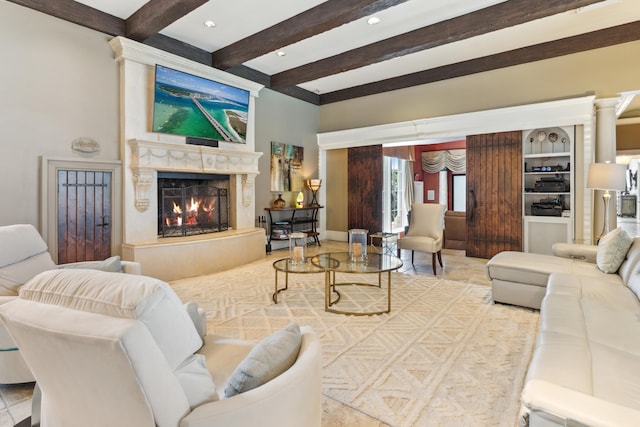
(192, 203)
(146, 154)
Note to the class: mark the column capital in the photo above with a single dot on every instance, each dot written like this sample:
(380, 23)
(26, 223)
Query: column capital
(604, 103)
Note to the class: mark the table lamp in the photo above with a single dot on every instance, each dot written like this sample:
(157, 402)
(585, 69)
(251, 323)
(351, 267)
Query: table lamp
(314, 186)
(607, 177)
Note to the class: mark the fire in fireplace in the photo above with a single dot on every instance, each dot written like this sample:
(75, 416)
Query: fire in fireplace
(190, 203)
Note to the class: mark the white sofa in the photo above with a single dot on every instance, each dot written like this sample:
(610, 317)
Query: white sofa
(585, 370)
(121, 350)
(24, 254)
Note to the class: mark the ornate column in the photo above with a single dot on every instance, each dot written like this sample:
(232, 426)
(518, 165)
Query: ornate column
(605, 152)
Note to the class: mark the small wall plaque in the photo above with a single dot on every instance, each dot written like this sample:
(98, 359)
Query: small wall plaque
(85, 145)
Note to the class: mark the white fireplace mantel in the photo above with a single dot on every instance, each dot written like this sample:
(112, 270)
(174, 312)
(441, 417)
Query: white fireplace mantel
(145, 153)
(148, 158)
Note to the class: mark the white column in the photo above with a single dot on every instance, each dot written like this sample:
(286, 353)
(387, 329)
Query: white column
(605, 152)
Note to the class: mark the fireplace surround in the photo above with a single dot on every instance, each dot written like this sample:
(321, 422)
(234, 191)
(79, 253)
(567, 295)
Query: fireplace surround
(145, 154)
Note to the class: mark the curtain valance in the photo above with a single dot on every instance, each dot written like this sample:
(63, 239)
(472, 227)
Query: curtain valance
(435, 161)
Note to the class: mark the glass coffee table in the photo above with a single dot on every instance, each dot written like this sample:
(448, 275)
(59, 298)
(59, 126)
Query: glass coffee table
(286, 266)
(339, 262)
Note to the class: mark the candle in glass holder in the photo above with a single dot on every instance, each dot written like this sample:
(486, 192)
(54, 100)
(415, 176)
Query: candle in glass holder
(356, 250)
(298, 254)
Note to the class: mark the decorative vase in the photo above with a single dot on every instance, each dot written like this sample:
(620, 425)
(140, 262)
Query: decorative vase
(279, 202)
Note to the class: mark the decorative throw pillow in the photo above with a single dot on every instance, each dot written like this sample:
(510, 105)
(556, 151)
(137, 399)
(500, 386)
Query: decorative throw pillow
(112, 264)
(269, 358)
(612, 249)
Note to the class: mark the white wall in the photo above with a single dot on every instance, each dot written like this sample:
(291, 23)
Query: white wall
(58, 82)
(287, 120)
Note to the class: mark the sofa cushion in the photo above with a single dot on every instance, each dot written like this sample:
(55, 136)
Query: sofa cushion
(586, 339)
(19, 242)
(612, 250)
(269, 358)
(13, 276)
(149, 300)
(112, 264)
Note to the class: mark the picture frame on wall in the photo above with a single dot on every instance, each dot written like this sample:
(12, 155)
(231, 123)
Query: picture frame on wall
(286, 167)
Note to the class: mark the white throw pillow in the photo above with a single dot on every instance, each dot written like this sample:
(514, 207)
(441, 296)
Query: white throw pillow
(269, 358)
(612, 250)
(112, 264)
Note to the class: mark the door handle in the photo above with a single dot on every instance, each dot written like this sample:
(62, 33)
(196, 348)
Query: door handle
(105, 222)
(473, 204)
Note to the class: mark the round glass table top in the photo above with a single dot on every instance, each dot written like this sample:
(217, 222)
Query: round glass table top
(340, 262)
(287, 266)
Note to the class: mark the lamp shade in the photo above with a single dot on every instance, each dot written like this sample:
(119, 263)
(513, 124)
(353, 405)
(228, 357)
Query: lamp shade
(607, 176)
(314, 184)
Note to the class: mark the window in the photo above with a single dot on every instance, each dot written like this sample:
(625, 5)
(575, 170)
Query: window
(393, 205)
(459, 193)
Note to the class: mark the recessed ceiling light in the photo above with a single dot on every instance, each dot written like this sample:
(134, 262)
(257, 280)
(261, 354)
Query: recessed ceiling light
(373, 20)
(281, 53)
(209, 24)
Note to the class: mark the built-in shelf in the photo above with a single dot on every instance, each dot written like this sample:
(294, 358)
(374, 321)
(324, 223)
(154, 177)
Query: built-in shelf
(548, 182)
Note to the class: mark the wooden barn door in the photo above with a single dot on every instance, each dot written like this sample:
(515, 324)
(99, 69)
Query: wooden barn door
(365, 188)
(84, 215)
(494, 193)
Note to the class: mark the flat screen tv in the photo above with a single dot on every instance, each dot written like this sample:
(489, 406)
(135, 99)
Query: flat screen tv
(193, 106)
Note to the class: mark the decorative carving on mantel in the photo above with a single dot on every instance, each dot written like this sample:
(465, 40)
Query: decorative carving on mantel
(143, 179)
(248, 182)
(164, 156)
(147, 158)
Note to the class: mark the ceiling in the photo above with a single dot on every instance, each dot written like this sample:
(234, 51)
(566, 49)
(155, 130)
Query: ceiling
(332, 54)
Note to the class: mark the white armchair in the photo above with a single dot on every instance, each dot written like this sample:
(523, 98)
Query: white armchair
(426, 230)
(24, 254)
(113, 350)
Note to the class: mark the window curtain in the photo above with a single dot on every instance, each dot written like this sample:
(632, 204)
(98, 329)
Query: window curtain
(405, 153)
(435, 161)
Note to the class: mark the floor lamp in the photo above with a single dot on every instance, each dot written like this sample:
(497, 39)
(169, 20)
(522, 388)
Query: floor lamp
(606, 177)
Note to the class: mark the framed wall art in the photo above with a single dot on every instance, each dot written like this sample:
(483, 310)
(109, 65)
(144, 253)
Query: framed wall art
(286, 167)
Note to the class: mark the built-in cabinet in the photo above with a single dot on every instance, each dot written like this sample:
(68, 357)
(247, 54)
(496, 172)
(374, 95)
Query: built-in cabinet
(548, 195)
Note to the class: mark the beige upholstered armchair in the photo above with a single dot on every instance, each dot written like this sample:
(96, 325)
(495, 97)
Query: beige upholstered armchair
(425, 234)
(108, 349)
(24, 254)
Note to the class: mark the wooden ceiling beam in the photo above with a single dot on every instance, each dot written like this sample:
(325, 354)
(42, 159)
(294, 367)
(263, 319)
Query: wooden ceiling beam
(594, 40)
(77, 13)
(324, 17)
(483, 21)
(156, 15)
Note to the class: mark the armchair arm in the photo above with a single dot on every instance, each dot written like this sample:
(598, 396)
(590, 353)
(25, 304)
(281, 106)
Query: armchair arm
(575, 251)
(109, 264)
(198, 317)
(569, 407)
(131, 267)
(292, 399)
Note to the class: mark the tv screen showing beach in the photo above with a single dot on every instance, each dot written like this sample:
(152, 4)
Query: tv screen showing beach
(189, 105)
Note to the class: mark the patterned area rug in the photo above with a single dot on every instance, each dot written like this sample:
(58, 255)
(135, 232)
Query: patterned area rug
(445, 355)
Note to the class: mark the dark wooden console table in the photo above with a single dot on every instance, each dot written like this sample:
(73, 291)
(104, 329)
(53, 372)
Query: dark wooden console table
(293, 219)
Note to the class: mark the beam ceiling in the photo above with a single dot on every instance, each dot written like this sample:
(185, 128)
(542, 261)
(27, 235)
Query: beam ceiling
(145, 25)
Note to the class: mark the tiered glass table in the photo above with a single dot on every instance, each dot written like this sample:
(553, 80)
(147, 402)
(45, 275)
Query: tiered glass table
(339, 262)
